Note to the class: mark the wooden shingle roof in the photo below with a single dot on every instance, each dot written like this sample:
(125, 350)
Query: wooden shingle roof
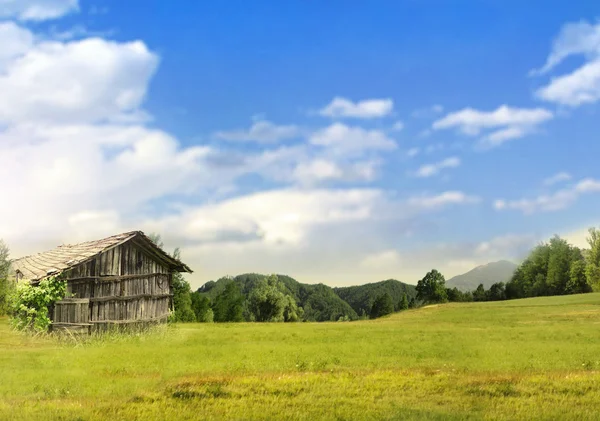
(54, 262)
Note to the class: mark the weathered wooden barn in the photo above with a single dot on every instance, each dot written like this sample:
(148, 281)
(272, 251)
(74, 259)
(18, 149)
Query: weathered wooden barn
(120, 280)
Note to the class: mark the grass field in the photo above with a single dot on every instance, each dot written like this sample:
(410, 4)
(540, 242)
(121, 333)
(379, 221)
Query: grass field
(526, 359)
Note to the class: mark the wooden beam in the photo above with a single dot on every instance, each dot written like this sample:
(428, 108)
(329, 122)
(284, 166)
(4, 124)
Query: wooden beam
(122, 322)
(116, 278)
(127, 297)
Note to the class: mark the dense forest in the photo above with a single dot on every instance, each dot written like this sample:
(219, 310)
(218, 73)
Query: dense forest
(554, 267)
(239, 298)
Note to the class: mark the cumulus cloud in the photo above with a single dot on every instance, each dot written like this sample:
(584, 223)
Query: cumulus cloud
(503, 124)
(81, 81)
(261, 131)
(37, 10)
(582, 85)
(343, 139)
(366, 109)
(430, 170)
(556, 201)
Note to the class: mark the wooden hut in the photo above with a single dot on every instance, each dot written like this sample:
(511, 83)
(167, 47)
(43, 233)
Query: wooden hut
(120, 280)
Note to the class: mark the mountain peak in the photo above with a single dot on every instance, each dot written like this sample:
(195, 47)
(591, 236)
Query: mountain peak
(487, 274)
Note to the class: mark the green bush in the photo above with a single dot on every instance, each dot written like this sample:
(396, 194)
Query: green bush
(30, 303)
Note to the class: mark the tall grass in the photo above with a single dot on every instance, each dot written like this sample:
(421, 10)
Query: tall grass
(526, 359)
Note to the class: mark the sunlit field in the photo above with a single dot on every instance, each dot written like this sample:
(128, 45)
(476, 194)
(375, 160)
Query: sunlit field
(526, 359)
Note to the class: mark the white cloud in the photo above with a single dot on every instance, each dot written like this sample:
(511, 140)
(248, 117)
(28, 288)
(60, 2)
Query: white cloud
(261, 132)
(81, 81)
(367, 109)
(582, 85)
(433, 169)
(321, 170)
(557, 178)
(443, 199)
(342, 139)
(37, 10)
(556, 201)
(15, 42)
(579, 38)
(505, 123)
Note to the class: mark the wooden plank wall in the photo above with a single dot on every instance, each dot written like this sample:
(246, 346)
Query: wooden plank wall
(123, 285)
(72, 314)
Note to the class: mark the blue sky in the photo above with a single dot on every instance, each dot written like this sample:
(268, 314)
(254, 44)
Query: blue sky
(339, 142)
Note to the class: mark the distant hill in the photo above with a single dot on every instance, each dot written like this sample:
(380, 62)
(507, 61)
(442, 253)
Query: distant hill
(361, 297)
(487, 275)
(320, 302)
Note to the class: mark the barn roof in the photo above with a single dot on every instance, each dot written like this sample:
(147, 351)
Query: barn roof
(54, 262)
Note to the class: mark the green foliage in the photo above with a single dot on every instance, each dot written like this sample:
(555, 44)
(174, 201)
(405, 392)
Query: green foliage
(229, 305)
(182, 299)
(479, 293)
(382, 306)
(362, 297)
(577, 283)
(266, 301)
(432, 288)
(497, 292)
(552, 268)
(6, 285)
(404, 302)
(31, 303)
(305, 302)
(201, 308)
(457, 296)
(592, 271)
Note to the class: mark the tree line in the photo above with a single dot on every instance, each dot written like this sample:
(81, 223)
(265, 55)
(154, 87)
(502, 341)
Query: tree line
(554, 267)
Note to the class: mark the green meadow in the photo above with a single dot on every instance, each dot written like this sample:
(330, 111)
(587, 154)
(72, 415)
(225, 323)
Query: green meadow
(527, 359)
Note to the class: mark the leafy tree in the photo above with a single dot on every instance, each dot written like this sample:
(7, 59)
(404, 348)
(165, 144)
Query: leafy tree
(201, 308)
(592, 270)
(182, 296)
(456, 295)
(362, 297)
(559, 261)
(404, 302)
(229, 305)
(479, 293)
(497, 292)
(266, 302)
(432, 288)
(6, 285)
(577, 283)
(382, 306)
(294, 313)
(553, 268)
